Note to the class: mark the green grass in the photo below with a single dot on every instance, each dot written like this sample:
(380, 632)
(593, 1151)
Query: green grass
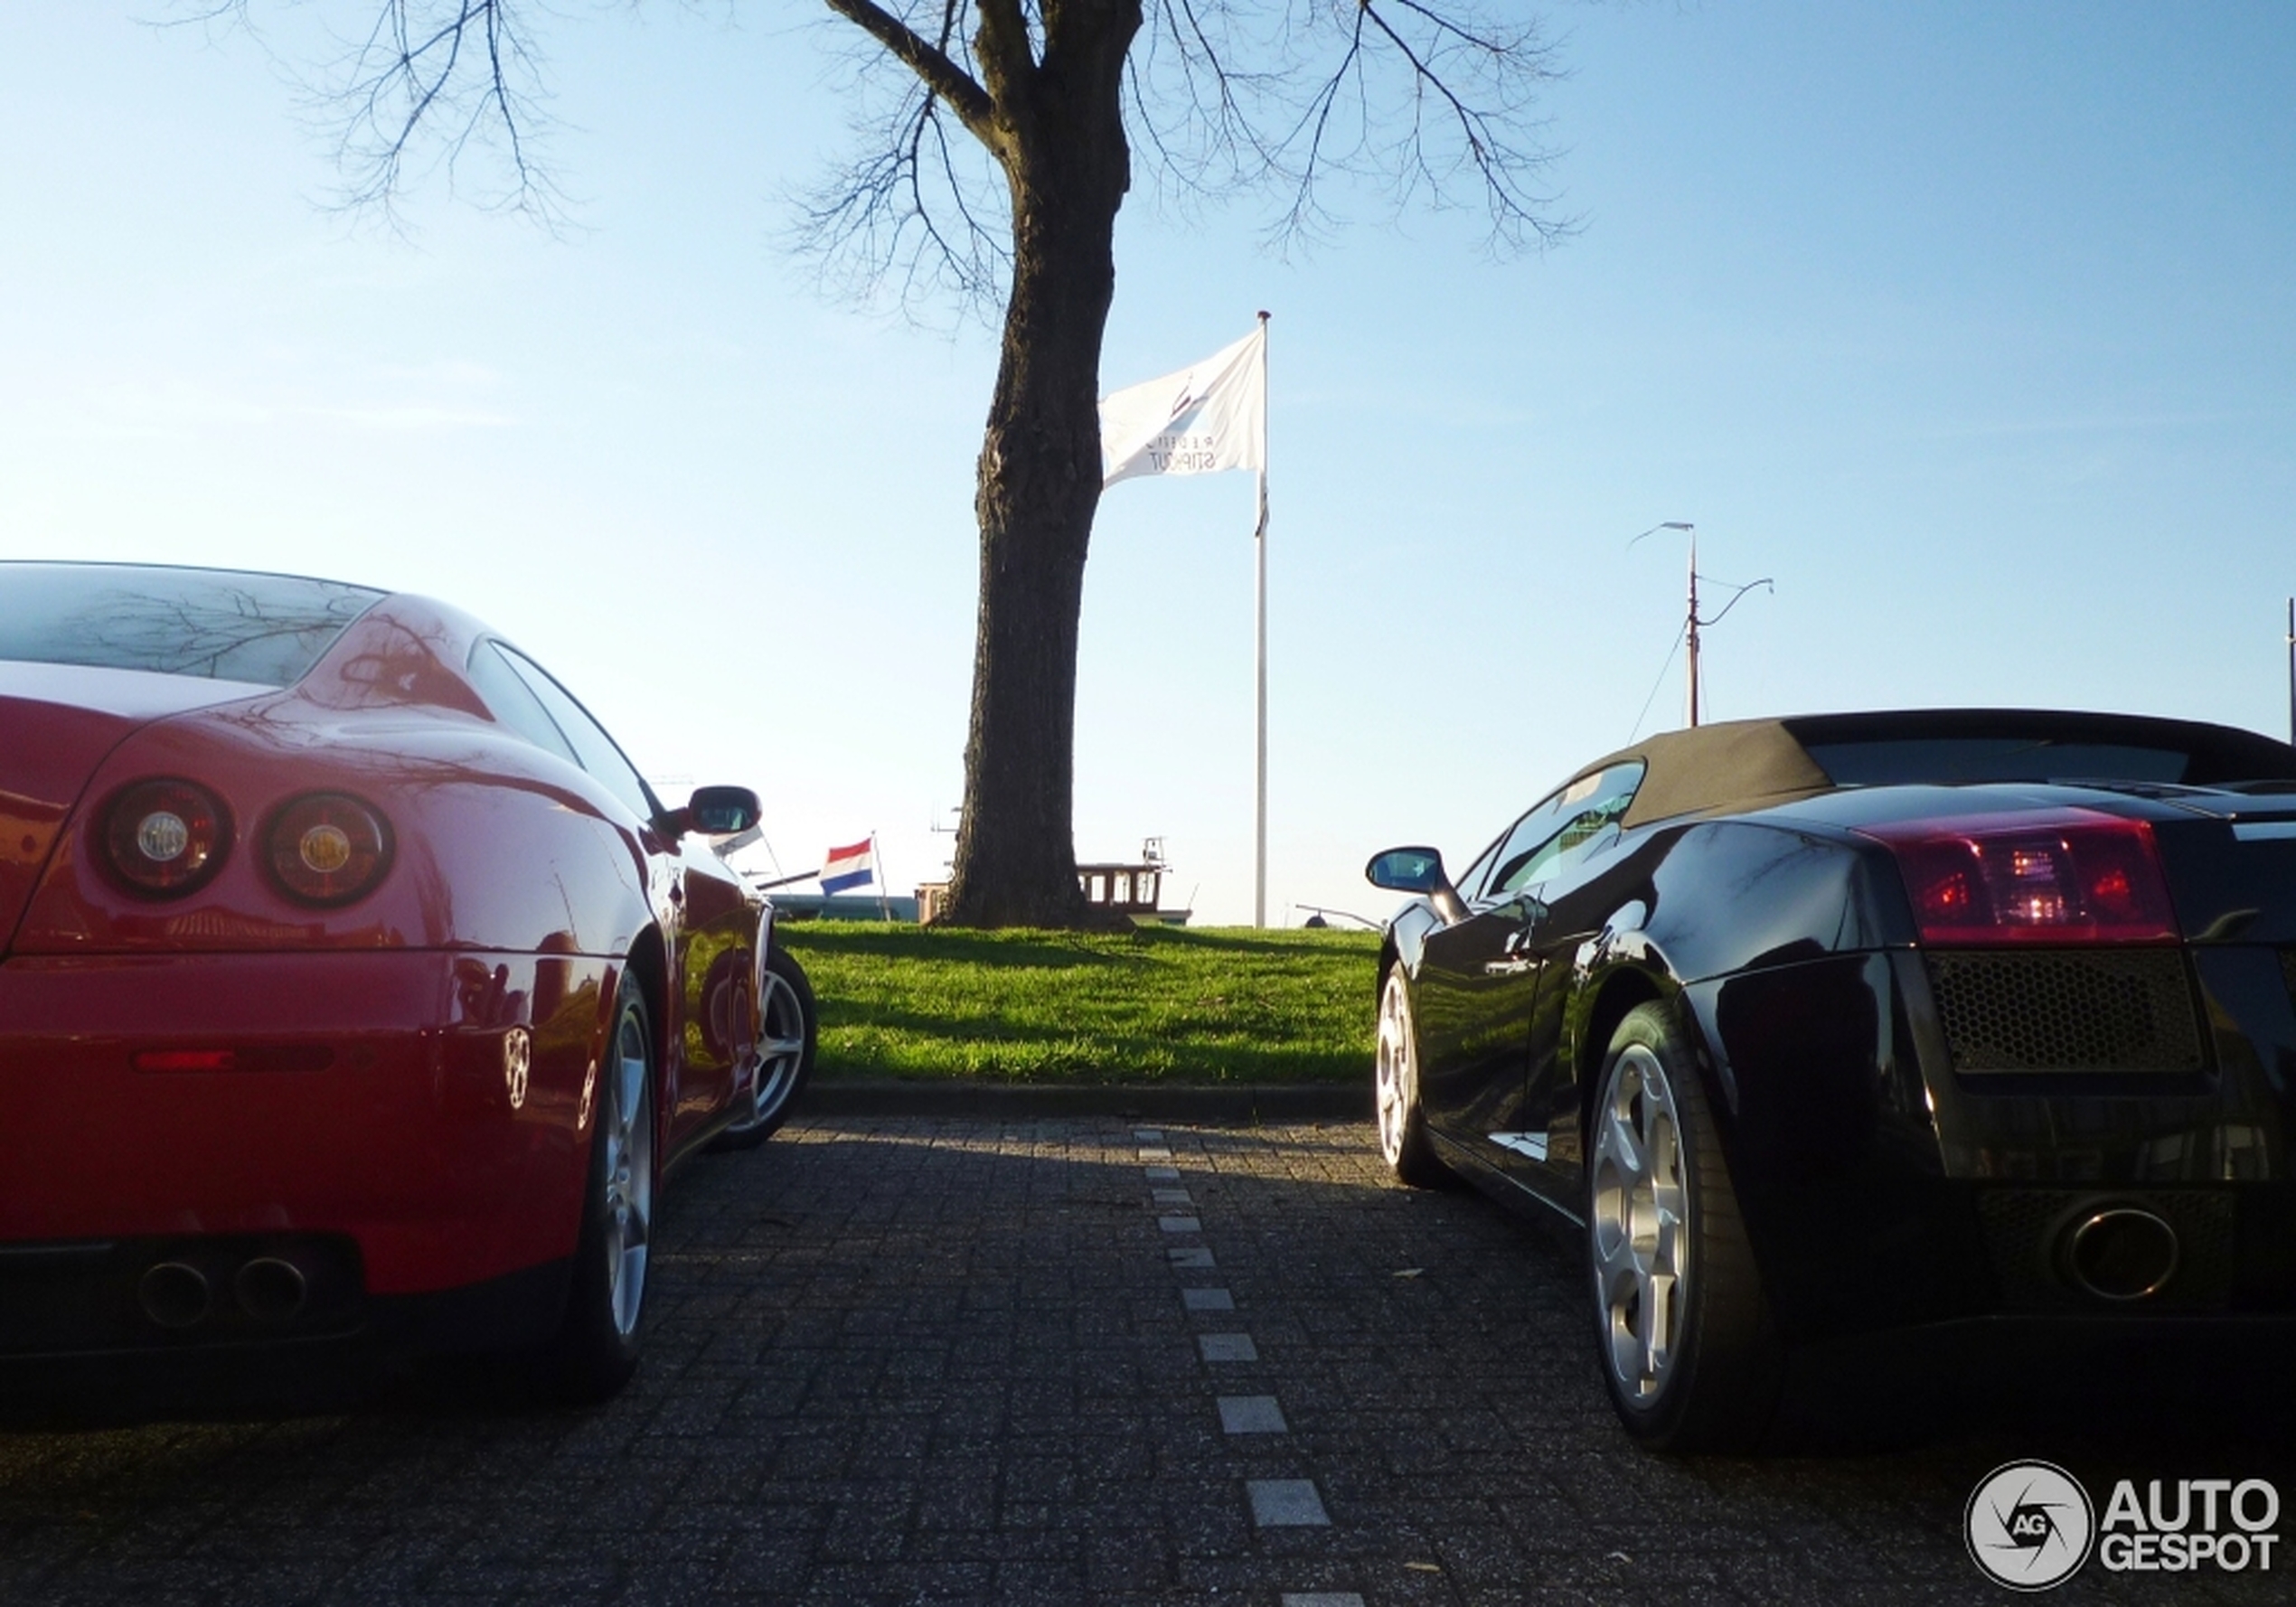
(1160, 1005)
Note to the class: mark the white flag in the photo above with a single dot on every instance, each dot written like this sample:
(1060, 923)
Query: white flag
(1198, 421)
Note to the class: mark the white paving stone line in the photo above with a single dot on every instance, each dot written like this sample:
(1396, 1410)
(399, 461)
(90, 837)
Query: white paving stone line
(1322, 1597)
(1275, 1503)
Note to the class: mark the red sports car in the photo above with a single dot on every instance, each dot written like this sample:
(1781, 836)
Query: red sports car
(352, 981)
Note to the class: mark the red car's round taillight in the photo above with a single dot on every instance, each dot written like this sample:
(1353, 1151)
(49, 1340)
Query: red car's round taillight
(327, 848)
(165, 838)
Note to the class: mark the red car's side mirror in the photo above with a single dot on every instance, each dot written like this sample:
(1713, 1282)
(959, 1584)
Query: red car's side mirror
(715, 812)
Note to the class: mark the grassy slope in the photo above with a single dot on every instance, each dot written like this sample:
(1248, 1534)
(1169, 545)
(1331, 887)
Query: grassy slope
(1158, 1005)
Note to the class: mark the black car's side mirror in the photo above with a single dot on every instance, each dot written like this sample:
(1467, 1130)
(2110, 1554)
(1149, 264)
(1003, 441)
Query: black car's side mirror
(717, 811)
(1417, 870)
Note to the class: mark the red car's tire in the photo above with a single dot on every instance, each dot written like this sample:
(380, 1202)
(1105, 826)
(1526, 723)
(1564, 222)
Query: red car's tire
(596, 1347)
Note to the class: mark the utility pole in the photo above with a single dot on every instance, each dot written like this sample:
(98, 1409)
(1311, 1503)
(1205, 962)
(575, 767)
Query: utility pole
(1692, 624)
(2292, 670)
(1691, 630)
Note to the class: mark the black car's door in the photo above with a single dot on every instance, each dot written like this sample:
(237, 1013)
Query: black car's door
(1577, 898)
(1475, 985)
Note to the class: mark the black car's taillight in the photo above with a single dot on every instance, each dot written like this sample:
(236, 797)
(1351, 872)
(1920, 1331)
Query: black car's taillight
(165, 837)
(2057, 876)
(327, 848)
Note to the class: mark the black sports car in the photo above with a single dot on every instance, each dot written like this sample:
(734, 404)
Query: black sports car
(1827, 1026)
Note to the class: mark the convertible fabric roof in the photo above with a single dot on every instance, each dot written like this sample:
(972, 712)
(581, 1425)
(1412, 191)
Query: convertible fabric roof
(1746, 764)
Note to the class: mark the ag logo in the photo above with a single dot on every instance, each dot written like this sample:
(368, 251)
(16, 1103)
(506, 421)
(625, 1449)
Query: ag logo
(2029, 1525)
(518, 1059)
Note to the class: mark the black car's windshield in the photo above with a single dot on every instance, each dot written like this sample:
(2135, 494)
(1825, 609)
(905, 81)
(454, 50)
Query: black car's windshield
(268, 630)
(1949, 760)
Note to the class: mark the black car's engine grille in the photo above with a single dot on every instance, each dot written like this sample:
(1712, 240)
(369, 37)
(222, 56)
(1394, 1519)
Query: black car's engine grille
(2097, 1009)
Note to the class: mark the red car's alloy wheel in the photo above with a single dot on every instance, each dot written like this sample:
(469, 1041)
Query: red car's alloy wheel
(785, 1049)
(625, 1130)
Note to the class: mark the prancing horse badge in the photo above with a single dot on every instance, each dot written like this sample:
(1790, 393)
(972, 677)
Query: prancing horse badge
(518, 1056)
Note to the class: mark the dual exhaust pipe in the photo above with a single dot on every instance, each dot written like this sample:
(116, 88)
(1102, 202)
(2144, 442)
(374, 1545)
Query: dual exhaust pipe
(267, 1289)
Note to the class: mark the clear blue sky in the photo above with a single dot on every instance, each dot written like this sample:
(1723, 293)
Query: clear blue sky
(1972, 324)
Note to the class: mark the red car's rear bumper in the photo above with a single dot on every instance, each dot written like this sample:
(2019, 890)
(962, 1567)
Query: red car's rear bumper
(419, 1121)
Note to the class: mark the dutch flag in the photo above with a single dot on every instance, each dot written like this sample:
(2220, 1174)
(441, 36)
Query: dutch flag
(843, 868)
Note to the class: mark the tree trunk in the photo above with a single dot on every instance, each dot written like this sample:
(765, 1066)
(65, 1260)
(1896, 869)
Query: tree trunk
(1038, 485)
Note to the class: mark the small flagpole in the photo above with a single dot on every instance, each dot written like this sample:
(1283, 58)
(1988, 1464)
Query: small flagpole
(877, 869)
(1259, 544)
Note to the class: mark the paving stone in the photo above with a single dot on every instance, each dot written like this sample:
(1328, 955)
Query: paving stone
(1227, 1347)
(1250, 1415)
(1285, 1503)
(1195, 1257)
(1207, 1300)
(1181, 1224)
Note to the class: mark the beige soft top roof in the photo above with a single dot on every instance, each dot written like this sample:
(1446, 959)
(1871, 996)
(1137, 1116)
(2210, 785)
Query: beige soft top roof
(1738, 763)
(1747, 764)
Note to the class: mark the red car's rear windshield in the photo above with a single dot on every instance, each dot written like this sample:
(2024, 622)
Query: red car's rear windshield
(268, 630)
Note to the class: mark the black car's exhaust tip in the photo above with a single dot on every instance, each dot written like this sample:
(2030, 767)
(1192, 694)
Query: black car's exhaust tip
(174, 1295)
(271, 1290)
(2121, 1254)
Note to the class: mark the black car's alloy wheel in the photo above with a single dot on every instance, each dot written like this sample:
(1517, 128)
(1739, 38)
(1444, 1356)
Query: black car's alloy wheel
(1402, 1133)
(1688, 1349)
(784, 1050)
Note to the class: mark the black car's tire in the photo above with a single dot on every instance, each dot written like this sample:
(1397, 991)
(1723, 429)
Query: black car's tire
(784, 1050)
(1684, 1334)
(595, 1349)
(1394, 1087)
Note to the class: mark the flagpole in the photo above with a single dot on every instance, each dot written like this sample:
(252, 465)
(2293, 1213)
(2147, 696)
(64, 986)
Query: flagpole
(877, 869)
(1259, 545)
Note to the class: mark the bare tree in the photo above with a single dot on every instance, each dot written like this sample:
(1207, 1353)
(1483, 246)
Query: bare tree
(997, 140)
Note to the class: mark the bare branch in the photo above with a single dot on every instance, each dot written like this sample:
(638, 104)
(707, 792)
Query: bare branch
(941, 76)
(1312, 104)
(916, 213)
(1433, 101)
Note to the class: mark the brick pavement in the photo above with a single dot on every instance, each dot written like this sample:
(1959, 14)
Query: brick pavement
(1057, 1360)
